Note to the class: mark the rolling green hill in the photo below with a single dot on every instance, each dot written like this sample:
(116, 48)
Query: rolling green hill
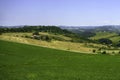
(110, 35)
(111, 32)
(100, 35)
(61, 42)
(27, 62)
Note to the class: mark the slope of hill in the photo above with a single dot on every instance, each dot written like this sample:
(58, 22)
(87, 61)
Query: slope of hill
(107, 28)
(47, 29)
(26, 62)
(100, 35)
(115, 37)
(65, 44)
(111, 32)
(80, 39)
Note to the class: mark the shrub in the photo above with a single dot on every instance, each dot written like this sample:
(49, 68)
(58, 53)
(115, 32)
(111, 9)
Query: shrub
(16, 36)
(113, 52)
(0, 33)
(36, 33)
(119, 52)
(118, 44)
(94, 50)
(58, 38)
(99, 49)
(45, 37)
(104, 52)
(27, 36)
(37, 37)
(105, 41)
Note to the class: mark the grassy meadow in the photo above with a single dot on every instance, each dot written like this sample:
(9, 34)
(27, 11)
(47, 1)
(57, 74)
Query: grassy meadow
(100, 35)
(26, 62)
(57, 44)
(63, 45)
(110, 35)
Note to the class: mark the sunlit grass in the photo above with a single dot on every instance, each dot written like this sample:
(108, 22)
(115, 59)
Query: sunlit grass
(27, 62)
(64, 45)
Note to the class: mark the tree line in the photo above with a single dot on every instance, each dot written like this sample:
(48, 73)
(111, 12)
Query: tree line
(50, 29)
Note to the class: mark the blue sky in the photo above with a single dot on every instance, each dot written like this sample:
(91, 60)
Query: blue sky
(60, 12)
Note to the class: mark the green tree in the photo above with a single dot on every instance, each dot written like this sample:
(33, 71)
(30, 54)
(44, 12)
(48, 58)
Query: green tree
(36, 33)
(94, 50)
(105, 41)
(104, 52)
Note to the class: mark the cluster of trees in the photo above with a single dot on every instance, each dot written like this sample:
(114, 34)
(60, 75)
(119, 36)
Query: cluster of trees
(108, 42)
(103, 51)
(87, 34)
(105, 41)
(118, 44)
(99, 51)
(42, 37)
(50, 29)
(37, 36)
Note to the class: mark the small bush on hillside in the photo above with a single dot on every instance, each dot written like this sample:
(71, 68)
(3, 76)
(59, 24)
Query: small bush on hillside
(113, 52)
(0, 33)
(16, 36)
(36, 33)
(37, 37)
(105, 41)
(118, 44)
(119, 52)
(58, 38)
(46, 38)
(22, 36)
(104, 52)
(99, 49)
(94, 50)
(27, 36)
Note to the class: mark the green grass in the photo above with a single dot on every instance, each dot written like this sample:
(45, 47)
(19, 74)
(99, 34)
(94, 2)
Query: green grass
(26, 62)
(100, 35)
(110, 35)
(115, 39)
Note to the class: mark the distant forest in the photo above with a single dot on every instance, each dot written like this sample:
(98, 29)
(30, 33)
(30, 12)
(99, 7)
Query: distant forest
(50, 29)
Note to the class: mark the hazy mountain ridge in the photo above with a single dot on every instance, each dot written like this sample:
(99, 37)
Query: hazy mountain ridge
(106, 27)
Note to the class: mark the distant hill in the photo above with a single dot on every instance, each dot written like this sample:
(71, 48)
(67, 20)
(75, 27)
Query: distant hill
(84, 30)
(95, 28)
(76, 33)
(95, 33)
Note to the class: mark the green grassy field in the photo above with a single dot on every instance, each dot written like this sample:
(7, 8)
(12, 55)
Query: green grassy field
(110, 35)
(63, 45)
(100, 35)
(27, 62)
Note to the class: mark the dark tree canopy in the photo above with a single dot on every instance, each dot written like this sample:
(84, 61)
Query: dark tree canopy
(105, 41)
(50, 29)
(36, 33)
